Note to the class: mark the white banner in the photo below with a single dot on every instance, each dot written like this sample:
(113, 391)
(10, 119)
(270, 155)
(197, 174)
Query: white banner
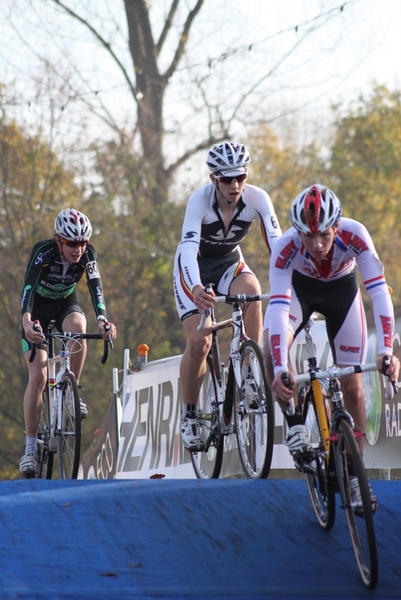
(150, 443)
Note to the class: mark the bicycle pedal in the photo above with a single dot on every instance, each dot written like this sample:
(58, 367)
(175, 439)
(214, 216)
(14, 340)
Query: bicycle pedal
(227, 429)
(305, 462)
(359, 512)
(305, 467)
(195, 448)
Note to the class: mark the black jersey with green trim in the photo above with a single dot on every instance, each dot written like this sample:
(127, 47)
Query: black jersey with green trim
(48, 276)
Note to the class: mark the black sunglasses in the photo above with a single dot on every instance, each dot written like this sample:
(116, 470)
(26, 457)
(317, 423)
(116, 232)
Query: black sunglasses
(229, 180)
(75, 244)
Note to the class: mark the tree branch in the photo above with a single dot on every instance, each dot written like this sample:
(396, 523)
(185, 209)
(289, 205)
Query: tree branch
(183, 39)
(103, 42)
(167, 26)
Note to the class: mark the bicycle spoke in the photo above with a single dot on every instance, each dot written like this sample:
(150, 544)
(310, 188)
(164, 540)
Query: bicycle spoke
(360, 521)
(69, 435)
(317, 479)
(45, 457)
(207, 464)
(254, 414)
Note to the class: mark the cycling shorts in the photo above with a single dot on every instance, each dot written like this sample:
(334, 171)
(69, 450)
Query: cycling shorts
(221, 272)
(340, 302)
(45, 310)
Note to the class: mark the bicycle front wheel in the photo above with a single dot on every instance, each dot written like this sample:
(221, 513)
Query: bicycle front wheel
(207, 464)
(321, 493)
(254, 414)
(45, 457)
(69, 433)
(360, 519)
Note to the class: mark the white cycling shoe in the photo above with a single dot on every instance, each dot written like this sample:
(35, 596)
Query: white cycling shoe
(190, 435)
(83, 409)
(356, 500)
(298, 440)
(28, 464)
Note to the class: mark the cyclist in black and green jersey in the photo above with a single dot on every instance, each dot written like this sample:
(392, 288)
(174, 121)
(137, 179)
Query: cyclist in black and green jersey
(55, 267)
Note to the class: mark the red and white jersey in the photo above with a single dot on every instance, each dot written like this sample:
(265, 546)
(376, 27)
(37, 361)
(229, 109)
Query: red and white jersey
(353, 246)
(203, 232)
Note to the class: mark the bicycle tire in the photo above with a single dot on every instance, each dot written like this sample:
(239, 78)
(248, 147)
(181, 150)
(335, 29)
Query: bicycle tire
(361, 527)
(254, 414)
(69, 432)
(318, 481)
(207, 463)
(45, 457)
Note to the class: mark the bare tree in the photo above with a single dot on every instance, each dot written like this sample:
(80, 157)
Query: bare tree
(159, 60)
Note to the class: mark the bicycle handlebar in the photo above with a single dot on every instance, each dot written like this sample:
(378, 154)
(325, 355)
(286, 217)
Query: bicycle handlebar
(76, 336)
(339, 372)
(230, 299)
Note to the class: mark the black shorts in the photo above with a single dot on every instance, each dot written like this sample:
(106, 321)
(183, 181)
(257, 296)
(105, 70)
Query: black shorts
(211, 270)
(220, 272)
(45, 310)
(332, 299)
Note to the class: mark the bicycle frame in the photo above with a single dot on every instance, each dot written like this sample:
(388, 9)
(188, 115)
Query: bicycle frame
(336, 464)
(54, 383)
(60, 426)
(238, 337)
(329, 379)
(253, 408)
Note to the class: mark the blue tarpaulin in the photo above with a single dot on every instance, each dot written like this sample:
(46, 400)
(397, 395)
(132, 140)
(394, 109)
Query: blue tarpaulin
(185, 539)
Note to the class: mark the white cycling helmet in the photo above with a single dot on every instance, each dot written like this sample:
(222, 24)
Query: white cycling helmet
(315, 209)
(228, 159)
(73, 225)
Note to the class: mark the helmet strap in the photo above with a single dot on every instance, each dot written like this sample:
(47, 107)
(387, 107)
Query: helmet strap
(59, 245)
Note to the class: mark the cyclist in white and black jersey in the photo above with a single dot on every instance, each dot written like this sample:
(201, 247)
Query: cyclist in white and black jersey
(218, 217)
(313, 268)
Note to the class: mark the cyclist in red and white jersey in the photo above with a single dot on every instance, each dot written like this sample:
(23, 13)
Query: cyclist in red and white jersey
(313, 268)
(217, 218)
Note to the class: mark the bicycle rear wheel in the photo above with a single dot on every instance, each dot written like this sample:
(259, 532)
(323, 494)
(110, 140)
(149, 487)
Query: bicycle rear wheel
(207, 464)
(254, 414)
(360, 523)
(69, 434)
(321, 494)
(45, 457)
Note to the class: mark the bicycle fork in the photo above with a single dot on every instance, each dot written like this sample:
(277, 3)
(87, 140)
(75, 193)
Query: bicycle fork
(339, 414)
(53, 402)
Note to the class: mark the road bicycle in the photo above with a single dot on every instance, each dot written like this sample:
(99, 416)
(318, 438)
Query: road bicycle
(236, 399)
(59, 429)
(336, 457)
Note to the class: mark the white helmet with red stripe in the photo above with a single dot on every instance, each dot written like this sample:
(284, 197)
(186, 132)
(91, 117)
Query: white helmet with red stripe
(315, 209)
(73, 225)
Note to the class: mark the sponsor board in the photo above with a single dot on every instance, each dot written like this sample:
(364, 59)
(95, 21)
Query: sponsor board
(149, 444)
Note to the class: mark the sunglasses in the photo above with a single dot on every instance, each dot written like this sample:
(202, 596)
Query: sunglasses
(229, 180)
(81, 244)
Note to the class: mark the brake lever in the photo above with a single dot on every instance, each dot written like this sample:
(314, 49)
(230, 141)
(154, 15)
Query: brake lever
(391, 386)
(107, 328)
(291, 404)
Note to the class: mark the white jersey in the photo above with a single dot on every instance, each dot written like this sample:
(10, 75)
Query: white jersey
(353, 246)
(204, 235)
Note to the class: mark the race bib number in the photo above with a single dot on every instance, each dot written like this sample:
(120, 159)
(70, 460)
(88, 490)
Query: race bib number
(92, 270)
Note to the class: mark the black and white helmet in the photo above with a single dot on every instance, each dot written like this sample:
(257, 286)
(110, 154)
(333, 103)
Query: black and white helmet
(228, 159)
(73, 225)
(315, 209)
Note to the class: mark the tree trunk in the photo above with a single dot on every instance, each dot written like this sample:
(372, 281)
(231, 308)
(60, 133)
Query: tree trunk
(150, 88)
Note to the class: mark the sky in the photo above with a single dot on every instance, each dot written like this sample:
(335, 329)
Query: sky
(354, 42)
(349, 49)
(361, 43)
